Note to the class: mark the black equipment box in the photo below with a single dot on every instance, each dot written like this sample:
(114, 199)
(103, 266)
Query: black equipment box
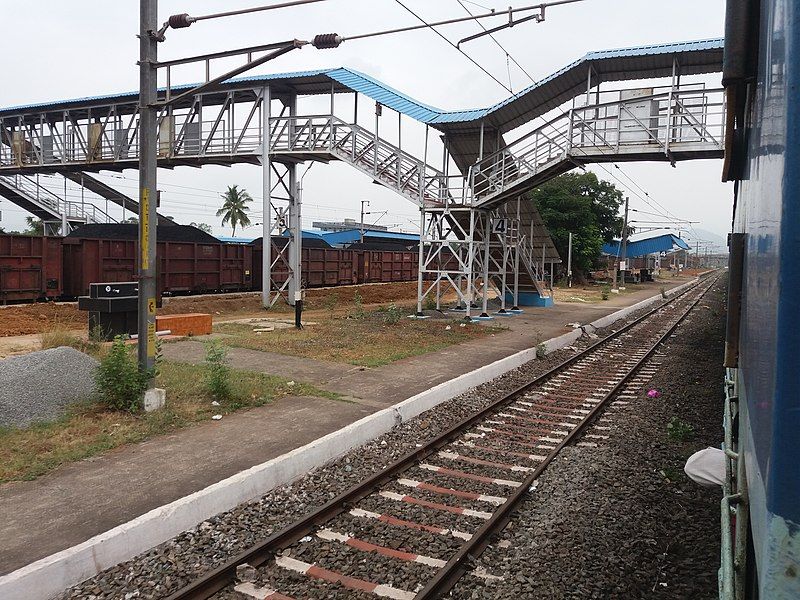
(112, 308)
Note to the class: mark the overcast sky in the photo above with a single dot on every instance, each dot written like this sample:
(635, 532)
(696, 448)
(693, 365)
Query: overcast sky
(55, 50)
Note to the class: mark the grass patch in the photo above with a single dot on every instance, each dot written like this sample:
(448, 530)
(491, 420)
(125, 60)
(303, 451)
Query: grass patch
(373, 339)
(58, 336)
(90, 429)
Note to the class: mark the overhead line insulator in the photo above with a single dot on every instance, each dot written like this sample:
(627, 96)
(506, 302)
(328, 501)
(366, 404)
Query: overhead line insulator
(180, 21)
(326, 40)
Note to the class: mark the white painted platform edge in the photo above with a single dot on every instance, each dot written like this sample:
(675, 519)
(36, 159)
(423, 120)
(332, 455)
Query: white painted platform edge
(51, 575)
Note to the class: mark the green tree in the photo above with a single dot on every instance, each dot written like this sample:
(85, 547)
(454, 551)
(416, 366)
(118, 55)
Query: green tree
(234, 208)
(35, 226)
(587, 207)
(202, 227)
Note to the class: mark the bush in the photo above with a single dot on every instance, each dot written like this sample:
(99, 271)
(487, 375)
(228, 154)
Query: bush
(119, 380)
(605, 292)
(541, 350)
(430, 302)
(393, 314)
(217, 371)
(663, 291)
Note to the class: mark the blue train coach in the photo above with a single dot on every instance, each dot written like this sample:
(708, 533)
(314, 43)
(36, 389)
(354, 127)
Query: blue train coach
(761, 508)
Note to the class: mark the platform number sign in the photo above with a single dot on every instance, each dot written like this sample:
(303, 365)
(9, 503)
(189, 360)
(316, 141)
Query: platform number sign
(499, 225)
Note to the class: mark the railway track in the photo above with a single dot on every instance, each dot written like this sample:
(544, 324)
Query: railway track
(412, 530)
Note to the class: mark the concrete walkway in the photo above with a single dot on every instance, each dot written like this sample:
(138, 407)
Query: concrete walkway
(82, 499)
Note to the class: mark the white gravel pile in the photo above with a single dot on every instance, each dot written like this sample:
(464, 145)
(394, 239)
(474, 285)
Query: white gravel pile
(39, 386)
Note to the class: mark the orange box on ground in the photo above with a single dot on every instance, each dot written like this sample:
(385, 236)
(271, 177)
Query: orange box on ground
(185, 324)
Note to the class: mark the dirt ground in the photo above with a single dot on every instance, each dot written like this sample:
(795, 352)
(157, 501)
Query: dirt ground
(24, 319)
(316, 298)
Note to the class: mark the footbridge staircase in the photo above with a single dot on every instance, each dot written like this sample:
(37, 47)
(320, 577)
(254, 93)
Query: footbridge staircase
(56, 213)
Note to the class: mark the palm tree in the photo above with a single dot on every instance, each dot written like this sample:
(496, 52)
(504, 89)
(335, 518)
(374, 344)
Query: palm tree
(234, 208)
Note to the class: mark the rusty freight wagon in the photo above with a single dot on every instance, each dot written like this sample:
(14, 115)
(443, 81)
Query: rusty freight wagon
(189, 261)
(30, 268)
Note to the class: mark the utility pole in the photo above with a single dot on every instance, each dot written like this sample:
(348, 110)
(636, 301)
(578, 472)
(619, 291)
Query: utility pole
(148, 133)
(363, 202)
(569, 262)
(697, 254)
(624, 245)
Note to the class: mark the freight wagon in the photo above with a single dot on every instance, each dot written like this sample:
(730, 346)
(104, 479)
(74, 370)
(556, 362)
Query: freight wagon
(30, 268)
(183, 267)
(189, 262)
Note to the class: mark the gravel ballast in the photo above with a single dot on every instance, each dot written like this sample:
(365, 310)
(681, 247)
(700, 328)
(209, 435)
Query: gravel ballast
(40, 385)
(622, 520)
(164, 569)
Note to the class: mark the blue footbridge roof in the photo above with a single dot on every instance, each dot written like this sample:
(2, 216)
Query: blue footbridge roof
(640, 62)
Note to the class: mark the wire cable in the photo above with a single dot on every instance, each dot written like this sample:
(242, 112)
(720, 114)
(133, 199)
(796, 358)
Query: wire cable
(441, 35)
(494, 39)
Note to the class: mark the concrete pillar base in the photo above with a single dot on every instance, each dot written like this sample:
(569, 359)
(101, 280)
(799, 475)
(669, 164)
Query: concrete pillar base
(154, 399)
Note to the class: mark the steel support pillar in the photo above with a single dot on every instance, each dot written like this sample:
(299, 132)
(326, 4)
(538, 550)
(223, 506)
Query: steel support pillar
(421, 263)
(295, 222)
(487, 257)
(516, 245)
(266, 202)
(448, 254)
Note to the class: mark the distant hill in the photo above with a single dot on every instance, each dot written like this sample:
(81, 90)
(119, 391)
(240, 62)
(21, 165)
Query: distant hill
(720, 242)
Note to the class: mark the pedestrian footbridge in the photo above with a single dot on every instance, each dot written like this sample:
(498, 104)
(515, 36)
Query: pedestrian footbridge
(465, 181)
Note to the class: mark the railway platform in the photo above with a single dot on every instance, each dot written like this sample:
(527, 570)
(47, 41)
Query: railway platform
(81, 500)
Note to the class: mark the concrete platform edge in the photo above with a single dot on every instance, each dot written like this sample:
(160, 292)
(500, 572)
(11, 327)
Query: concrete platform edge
(49, 576)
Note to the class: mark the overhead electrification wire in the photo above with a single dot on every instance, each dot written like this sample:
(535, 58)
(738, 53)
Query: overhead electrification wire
(494, 39)
(491, 14)
(472, 60)
(646, 198)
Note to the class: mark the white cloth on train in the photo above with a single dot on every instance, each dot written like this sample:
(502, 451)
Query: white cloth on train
(706, 467)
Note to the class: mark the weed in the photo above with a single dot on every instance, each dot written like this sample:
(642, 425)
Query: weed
(679, 431)
(217, 375)
(541, 350)
(96, 334)
(358, 299)
(118, 378)
(663, 291)
(430, 303)
(331, 302)
(393, 314)
(605, 292)
(671, 474)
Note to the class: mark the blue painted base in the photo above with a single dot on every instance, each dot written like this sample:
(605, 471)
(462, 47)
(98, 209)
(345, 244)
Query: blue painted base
(508, 313)
(482, 318)
(530, 299)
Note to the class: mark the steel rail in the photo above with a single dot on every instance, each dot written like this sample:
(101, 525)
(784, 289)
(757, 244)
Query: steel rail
(448, 576)
(217, 579)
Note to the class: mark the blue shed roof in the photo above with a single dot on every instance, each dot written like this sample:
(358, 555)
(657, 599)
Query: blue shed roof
(661, 243)
(234, 240)
(353, 235)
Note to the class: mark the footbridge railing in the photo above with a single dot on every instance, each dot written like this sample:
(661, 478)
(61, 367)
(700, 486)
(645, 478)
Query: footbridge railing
(49, 205)
(670, 125)
(386, 163)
